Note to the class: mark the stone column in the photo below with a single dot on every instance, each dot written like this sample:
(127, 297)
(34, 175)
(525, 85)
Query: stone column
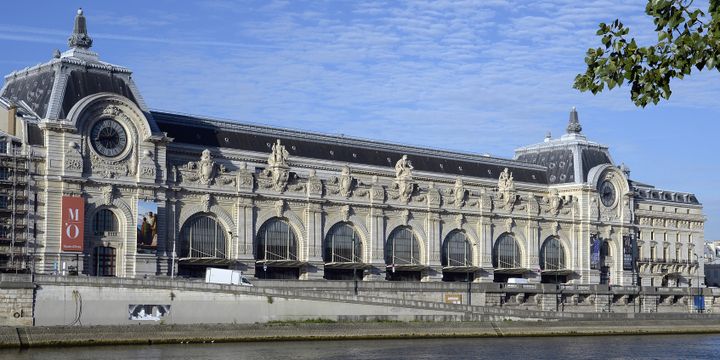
(485, 235)
(377, 241)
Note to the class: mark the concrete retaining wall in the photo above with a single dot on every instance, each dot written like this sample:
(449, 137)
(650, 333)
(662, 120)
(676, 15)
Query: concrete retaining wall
(156, 334)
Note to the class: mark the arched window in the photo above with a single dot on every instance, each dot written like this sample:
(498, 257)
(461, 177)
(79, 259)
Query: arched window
(203, 237)
(342, 244)
(402, 248)
(506, 254)
(552, 255)
(276, 240)
(456, 250)
(105, 221)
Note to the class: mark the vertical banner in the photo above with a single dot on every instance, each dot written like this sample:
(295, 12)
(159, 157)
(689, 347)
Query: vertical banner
(594, 252)
(73, 222)
(627, 253)
(147, 223)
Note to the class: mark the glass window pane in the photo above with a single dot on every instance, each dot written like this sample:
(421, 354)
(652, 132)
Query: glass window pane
(506, 254)
(402, 248)
(203, 237)
(456, 250)
(276, 240)
(552, 255)
(342, 244)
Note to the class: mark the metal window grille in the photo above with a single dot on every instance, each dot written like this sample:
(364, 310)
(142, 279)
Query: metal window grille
(203, 237)
(507, 253)
(456, 251)
(402, 248)
(276, 241)
(342, 244)
(104, 261)
(105, 221)
(552, 256)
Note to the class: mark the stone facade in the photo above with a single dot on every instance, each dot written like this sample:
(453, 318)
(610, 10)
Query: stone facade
(267, 200)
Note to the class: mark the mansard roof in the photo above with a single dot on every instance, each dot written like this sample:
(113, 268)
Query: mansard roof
(568, 159)
(203, 131)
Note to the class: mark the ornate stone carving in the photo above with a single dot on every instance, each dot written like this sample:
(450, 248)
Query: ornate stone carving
(459, 193)
(206, 202)
(486, 202)
(377, 192)
(405, 216)
(147, 168)
(344, 183)
(554, 202)
(108, 194)
(433, 196)
(345, 212)
(279, 208)
(506, 189)
(279, 155)
(110, 168)
(403, 169)
(278, 170)
(314, 184)
(245, 180)
(206, 171)
(509, 224)
(554, 228)
(459, 220)
(73, 159)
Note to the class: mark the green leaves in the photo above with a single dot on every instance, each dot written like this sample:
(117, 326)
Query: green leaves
(687, 39)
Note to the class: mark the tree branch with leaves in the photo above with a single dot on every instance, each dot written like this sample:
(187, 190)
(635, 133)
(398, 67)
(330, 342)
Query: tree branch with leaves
(687, 38)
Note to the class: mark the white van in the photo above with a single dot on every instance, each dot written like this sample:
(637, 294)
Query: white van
(225, 276)
(518, 281)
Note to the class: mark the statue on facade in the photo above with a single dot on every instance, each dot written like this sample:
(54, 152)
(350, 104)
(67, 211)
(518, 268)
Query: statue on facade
(278, 169)
(278, 156)
(403, 168)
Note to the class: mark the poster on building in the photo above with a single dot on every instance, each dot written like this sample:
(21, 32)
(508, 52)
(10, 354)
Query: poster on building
(627, 252)
(73, 223)
(147, 312)
(147, 226)
(594, 252)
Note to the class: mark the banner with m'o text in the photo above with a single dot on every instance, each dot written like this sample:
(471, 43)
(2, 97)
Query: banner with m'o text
(73, 222)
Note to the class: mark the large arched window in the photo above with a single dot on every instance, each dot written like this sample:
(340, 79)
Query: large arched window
(105, 221)
(552, 255)
(276, 240)
(456, 250)
(506, 254)
(402, 248)
(203, 237)
(342, 244)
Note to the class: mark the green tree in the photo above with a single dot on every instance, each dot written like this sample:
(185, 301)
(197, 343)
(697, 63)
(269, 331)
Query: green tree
(687, 38)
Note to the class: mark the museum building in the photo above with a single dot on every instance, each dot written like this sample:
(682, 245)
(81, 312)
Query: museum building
(108, 187)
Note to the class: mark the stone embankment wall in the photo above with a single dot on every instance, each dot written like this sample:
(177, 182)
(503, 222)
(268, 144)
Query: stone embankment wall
(158, 334)
(118, 301)
(16, 300)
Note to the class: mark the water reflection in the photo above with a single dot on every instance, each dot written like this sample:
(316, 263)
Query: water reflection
(596, 347)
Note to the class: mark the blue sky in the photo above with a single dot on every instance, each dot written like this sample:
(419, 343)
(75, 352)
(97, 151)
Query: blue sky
(477, 76)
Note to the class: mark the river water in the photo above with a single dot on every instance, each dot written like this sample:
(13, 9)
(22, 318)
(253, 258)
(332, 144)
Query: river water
(592, 347)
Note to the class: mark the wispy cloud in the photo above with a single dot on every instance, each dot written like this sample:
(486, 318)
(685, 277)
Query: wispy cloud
(481, 76)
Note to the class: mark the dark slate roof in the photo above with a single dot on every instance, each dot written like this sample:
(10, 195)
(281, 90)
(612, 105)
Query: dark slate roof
(35, 89)
(560, 164)
(82, 83)
(592, 158)
(212, 133)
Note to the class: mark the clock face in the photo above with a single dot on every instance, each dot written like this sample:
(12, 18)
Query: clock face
(607, 193)
(108, 138)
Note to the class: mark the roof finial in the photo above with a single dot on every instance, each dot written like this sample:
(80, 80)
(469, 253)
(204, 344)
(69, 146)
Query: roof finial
(79, 37)
(574, 126)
